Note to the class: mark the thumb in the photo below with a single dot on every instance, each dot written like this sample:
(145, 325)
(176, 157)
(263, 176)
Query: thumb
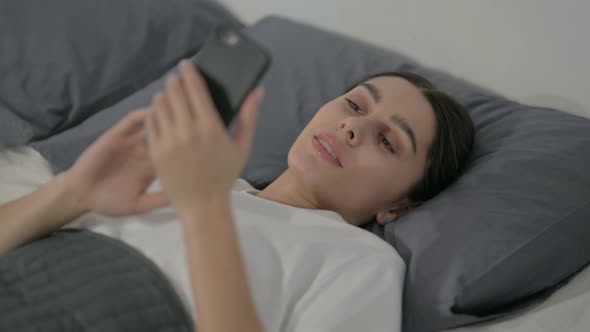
(149, 202)
(244, 133)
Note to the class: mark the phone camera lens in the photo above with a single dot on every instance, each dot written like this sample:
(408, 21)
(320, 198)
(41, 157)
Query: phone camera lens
(229, 37)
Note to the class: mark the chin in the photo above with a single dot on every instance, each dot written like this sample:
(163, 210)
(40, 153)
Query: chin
(305, 165)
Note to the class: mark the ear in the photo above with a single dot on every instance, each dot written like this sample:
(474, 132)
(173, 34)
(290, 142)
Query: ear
(395, 212)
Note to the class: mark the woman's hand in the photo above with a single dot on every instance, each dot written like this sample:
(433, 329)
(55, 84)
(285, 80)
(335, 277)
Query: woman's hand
(195, 158)
(112, 175)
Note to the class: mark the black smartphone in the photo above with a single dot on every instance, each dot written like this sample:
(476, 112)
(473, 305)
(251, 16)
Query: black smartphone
(232, 64)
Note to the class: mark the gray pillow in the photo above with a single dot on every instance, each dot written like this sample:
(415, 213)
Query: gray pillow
(64, 60)
(509, 231)
(62, 150)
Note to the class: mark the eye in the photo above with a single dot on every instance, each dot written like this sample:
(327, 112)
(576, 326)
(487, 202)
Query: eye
(386, 143)
(353, 105)
(382, 138)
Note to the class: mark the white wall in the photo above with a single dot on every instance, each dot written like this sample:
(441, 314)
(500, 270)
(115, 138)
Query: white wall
(534, 51)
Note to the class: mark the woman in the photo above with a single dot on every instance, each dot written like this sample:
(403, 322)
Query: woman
(287, 257)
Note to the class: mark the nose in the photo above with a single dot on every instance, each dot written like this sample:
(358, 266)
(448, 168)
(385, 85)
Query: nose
(354, 130)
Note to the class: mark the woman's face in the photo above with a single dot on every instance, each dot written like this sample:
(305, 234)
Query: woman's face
(382, 131)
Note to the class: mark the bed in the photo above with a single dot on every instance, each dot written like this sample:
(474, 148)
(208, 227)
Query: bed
(516, 277)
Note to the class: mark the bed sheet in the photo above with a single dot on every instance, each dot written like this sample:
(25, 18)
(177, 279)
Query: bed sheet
(23, 170)
(566, 310)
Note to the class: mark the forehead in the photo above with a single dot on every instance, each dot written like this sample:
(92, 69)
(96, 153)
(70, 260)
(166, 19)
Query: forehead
(400, 97)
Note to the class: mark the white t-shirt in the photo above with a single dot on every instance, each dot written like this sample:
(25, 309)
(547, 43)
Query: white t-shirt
(308, 270)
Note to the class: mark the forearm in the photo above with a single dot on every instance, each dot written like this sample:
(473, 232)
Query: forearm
(218, 275)
(37, 214)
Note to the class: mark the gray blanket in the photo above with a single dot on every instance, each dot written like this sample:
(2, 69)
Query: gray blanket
(82, 281)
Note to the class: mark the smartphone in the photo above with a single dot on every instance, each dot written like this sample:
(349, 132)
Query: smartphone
(232, 65)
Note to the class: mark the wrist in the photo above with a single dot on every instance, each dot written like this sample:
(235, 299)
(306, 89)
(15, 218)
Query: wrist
(204, 205)
(70, 196)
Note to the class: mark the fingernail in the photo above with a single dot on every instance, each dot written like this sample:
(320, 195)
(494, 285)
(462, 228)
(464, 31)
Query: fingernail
(170, 78)
(184, 62)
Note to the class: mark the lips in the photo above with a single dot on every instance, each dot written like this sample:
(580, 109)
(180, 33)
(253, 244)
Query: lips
(334, 146)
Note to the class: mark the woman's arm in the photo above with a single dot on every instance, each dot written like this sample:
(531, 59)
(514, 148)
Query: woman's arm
(37, 214)
(109, 178)
(219, 281)
(197, 163)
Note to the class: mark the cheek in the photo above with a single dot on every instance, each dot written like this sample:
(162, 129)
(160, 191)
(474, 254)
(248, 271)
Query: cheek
(381, 180)
(327, 116)
(368, 178)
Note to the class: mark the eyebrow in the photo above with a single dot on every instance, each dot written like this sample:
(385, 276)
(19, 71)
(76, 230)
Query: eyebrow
(405, 126)
(396, 119)
(375, 93)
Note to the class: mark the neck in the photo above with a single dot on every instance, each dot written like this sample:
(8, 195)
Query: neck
(288, 190)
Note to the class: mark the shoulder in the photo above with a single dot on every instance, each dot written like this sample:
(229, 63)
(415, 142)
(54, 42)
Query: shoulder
(368, 244)
(349, 252)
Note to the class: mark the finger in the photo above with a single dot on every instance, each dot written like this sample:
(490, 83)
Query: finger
(163, 113)
(136, 138)
(178, 100)
(139, 144)
(244, 133)
(153, 132)
(149, 202)
(131, 122)
(198, 92)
